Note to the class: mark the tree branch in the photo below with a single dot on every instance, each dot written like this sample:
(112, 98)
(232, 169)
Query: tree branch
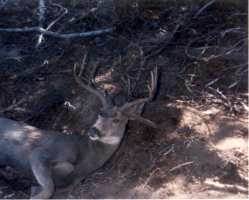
(58, 35)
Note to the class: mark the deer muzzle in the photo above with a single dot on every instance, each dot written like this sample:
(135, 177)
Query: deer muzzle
(93, 133)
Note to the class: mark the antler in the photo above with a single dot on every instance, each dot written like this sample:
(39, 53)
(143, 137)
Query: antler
(89, 88)
(152, 91)
(142, 120)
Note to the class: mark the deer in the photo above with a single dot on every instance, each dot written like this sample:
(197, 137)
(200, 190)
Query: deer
(56, 160)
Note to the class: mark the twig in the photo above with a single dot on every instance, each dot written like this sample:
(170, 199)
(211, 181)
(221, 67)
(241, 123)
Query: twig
(154, 164)
(23, 100)
(169, 151)
(203, 8)
(203, 49)
(150, 176)
(58, 35)
(53, 22)
(233, 84)
(223, 52)
(59, 17)
(219, 92)
(226, 102)
(181, 165)
(235, 29)
(13, 105)
(245, 106)
(212, 82)
(228, 187)
(233, 48)
(3, 3)
(157, 50)
(41, 13)
(83, 65)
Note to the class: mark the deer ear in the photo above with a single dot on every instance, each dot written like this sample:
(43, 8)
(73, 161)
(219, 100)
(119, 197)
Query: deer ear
(135, 109)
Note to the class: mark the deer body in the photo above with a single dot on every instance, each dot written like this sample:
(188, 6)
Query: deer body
(64, 158)
(57, 160)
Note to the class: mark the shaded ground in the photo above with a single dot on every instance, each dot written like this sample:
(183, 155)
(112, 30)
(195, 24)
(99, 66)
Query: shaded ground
(200, 150)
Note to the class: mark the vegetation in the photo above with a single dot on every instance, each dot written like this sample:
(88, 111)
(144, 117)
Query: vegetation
(200, 49)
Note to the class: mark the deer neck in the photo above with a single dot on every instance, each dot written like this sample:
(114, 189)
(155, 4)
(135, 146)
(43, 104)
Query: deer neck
(104, 148)
(98, 152)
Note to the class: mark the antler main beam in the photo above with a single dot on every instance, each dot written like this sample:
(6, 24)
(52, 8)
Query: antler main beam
(152, 91)
(89, 88)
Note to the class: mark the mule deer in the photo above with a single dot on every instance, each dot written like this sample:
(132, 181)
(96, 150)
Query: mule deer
(58, 160)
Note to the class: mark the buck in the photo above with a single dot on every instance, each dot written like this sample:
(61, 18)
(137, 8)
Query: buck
(59, 160)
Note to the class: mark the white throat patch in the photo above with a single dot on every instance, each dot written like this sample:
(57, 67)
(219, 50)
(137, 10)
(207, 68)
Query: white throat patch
(94, 138)
(112, 140)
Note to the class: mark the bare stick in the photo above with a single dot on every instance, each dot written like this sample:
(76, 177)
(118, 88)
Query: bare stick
(169, 151)
(181, 165)
(149, 178)
(41, 13)
(3, 3)
(58, 35)
(159, 49)
(212, 82)
(204, 8)
(58, 18)
(228, 187)
(245, 106)
(65, 11)
(23, 100)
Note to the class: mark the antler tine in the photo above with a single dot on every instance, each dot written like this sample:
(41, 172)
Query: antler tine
(152, 91)
(153, 86)
(90, 89)
(142, 120)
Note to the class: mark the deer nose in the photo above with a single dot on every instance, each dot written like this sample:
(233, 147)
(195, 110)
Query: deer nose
(93, 133)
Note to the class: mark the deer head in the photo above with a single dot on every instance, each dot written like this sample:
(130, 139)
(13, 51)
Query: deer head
(111, 121)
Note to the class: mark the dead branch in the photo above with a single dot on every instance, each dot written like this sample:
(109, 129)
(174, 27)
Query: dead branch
(16, 105)
(180, 166)
(3, 3)
(41, 18)
(41, 12)
(245, 106)
(155, 51)
(150, 176)
(218, 51)
(212, 82)
(169, 151)
(64, 12)
(57, 35)
(228, 187)
(204, 8)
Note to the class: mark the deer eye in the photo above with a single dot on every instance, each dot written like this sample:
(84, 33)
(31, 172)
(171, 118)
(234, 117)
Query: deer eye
(116, 121)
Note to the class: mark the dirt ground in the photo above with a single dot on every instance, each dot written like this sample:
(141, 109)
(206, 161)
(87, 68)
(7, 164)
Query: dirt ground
(200, 149)
(203, 155)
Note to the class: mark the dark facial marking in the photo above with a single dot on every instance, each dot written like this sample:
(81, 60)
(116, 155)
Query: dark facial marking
(93, 132)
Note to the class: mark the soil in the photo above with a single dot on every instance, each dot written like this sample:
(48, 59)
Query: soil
(200, 149)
